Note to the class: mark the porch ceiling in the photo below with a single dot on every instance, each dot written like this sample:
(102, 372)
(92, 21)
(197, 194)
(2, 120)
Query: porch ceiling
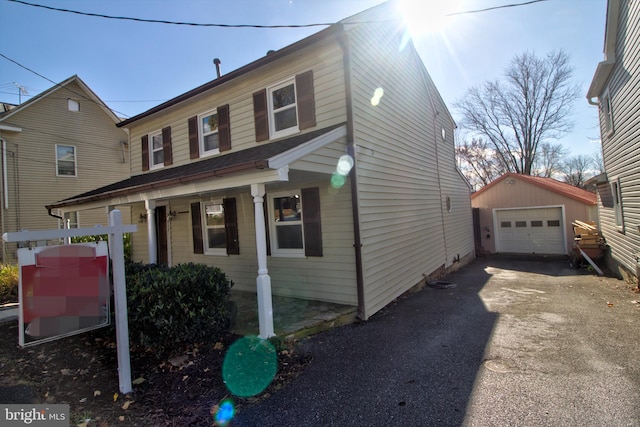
(263, 163)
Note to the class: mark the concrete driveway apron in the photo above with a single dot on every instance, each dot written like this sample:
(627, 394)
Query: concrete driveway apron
(518, 342)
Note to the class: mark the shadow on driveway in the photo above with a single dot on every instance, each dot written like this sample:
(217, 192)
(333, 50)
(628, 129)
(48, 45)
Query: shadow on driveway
(413, 363)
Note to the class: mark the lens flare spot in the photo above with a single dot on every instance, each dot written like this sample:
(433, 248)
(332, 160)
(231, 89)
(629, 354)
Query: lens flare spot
(345, 163)
(337, 180)
(249, 366)
(225, 413)
(377, 96)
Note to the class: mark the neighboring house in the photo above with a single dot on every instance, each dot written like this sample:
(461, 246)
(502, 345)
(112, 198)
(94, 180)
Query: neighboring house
(325, 168)
(615, 88)
(59, 143)
(529, 215)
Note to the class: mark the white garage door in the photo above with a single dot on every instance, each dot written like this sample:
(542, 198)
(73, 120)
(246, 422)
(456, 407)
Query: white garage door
(530, 231)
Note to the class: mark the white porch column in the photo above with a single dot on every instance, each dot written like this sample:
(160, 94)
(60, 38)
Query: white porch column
(150, 205)
(263, 281)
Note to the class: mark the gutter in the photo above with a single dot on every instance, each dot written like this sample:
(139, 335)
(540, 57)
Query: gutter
(344, 42)
(258, 164)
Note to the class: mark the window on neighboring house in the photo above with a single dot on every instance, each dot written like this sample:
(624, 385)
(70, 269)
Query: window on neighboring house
(65, 160)
(607, 112)
(73, 105)
(215, 227)
(156, 151)
(294, 222)
(616, 192)
(208, 123)
(70, 220)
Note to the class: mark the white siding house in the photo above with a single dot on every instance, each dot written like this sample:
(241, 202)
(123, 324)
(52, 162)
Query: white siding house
(615, 89)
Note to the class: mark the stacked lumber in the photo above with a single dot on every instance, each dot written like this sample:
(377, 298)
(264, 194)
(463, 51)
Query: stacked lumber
(586, 234)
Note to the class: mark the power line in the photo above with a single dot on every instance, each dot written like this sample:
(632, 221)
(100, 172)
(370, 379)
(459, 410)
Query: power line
(195, 24)
(56, 84)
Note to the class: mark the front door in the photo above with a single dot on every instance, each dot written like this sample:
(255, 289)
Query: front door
(161, 233)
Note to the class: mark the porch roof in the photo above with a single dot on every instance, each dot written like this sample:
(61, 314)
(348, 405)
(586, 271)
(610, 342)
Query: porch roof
(255, 158)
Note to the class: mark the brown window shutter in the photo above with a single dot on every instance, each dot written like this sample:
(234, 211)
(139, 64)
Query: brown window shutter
(166, 146)
(231, 226)
(306, 100)
(261, 115)
(196, 228)
(145, 153)
(194, 144)
(224, 129)
(311, 221)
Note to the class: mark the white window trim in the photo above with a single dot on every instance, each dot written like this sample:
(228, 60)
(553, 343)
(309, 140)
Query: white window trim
(75, 161)
(205, 236)
(607, 111)
(273, 236)
(73, 105)
(272, 122)
(62, 223)
(201, 134)
(616, 192)
(151, 151)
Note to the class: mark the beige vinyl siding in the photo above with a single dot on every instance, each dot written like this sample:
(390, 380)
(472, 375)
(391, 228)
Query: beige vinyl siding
(327, 278)
(621, 149)
(31, 157)
(524, 194)
(326, 64)
(398, 194)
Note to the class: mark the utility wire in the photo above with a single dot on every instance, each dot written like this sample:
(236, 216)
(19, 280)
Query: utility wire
(195, 24)
(58, 84)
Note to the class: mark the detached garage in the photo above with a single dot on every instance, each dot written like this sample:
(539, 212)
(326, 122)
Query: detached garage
(524, 214)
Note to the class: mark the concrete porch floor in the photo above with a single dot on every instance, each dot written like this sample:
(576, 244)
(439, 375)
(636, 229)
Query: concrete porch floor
(292, 317)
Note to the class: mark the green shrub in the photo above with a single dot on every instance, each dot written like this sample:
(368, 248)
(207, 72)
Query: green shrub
(169, 306)
(9, 277)
(126, 239)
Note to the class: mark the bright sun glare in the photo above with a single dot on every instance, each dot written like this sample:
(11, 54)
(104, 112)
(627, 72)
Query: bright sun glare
(428, 16)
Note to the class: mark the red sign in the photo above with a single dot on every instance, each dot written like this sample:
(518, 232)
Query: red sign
(64, 290)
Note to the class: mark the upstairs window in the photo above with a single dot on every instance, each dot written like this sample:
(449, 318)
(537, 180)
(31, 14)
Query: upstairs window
(283, 112)
(285, 108)
(65, 160)
(156, 151)
(209, 143)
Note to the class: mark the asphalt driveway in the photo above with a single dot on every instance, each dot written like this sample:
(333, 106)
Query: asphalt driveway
(517, 342)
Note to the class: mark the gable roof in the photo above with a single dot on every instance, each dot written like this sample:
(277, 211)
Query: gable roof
(604, 68)
(267, 156)
(550, 184)
(271, 56)
(62, 86)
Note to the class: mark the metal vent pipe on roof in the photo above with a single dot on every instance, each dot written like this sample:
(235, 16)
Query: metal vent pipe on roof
(217, 62)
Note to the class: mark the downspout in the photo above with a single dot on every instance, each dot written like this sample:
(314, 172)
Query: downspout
(436, 142)
(345, 45)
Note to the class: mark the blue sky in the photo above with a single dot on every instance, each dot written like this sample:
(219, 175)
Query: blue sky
(134, 66)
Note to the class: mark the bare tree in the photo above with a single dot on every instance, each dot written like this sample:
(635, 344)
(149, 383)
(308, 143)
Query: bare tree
(549, 161)
(532, 104)
(578, 169)
(477, 161)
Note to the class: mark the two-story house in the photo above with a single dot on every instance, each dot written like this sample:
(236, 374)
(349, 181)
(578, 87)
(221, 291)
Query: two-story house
(615, 89)
(61, 142)
(325, 168)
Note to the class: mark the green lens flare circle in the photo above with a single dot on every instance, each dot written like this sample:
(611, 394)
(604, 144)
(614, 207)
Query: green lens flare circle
(249, 366)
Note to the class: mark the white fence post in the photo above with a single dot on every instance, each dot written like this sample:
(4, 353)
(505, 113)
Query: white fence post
(120, 297)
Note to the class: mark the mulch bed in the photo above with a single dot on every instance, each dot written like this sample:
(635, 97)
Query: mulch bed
(182, 390)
